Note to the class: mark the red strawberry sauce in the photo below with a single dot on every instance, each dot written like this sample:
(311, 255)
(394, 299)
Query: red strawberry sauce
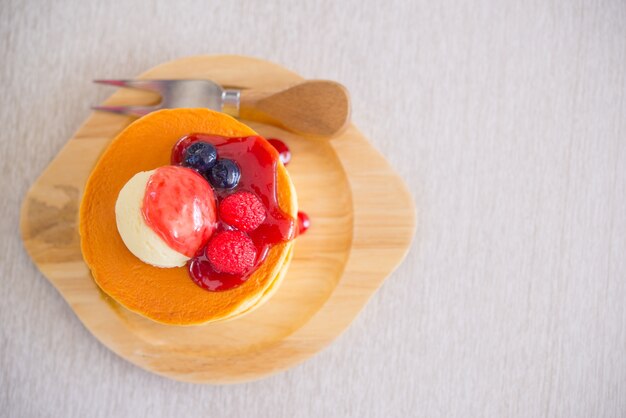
(258, 161)
(284, 153)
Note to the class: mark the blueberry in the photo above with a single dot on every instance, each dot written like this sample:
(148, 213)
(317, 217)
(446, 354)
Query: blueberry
(225, 174)
(200, 156)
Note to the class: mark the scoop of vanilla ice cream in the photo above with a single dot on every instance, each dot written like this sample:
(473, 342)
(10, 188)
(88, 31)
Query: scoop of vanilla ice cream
(139, 238)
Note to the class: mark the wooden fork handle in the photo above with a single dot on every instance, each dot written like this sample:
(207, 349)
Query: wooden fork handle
(316, 107)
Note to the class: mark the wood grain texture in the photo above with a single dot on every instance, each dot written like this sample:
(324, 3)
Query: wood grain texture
(504, 117)
(342, 185)
(312, 108)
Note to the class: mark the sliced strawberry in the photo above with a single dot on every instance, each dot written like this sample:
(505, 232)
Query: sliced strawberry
(179, 206)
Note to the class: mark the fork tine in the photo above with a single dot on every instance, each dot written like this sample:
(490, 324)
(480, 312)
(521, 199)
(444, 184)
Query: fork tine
(153, 85)
(127, 110)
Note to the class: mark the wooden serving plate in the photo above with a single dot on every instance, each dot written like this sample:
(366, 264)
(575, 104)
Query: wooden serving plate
(363, 221)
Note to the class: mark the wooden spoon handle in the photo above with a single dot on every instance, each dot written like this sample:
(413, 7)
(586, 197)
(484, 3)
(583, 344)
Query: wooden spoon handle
(316, 107)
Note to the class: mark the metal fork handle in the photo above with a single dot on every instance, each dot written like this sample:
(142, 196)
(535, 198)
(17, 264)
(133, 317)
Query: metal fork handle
(231, 102)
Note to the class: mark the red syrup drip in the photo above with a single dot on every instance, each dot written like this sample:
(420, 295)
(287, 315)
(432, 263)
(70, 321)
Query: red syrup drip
(303, 223)
(257, 161)
(284, 152)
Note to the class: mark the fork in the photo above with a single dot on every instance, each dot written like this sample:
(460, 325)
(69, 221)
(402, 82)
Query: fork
(315, 107)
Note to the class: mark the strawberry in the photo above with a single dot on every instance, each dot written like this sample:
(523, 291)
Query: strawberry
(231, 252)
(243, 210)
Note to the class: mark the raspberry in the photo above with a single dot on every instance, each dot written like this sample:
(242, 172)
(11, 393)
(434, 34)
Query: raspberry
(243, 210)
(231, 252)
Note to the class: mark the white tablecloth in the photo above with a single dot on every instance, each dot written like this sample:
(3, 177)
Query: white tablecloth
(506, 118)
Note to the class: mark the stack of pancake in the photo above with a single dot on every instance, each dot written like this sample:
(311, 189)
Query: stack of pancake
(168, 295)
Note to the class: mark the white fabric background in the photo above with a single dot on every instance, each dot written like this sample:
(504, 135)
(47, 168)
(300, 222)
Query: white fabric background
(506, 118)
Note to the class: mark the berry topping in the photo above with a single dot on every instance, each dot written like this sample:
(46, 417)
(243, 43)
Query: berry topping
(303, 222)
(179, 206)
(231, 252)
(283, 150)
(225, 174)
(178, 150)
(200, 156)
(243, 210)
(250, 165)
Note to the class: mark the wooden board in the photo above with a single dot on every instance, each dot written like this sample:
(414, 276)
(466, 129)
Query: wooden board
(363, 221)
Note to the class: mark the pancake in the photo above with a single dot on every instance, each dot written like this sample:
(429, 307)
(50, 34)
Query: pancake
(167, 295)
